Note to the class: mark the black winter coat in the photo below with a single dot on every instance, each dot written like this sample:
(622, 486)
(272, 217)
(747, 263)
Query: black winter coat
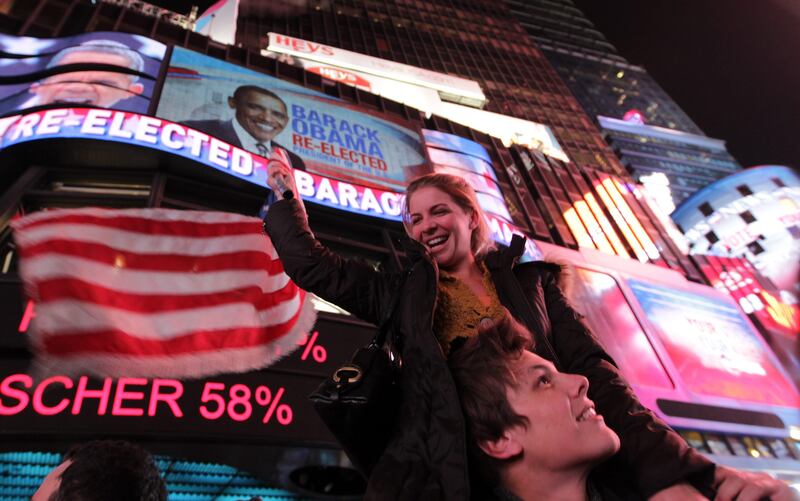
(426, 458)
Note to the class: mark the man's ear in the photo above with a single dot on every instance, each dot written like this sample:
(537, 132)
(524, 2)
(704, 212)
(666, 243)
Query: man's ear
(232, 102)
(504, 447)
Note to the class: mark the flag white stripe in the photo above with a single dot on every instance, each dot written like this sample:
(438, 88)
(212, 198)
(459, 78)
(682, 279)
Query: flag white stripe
(52, 266)
(182, 365)
(164, 215)
(69, 316)
(146, 244)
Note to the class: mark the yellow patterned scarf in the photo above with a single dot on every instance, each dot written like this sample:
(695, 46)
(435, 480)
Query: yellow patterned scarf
(459, 310)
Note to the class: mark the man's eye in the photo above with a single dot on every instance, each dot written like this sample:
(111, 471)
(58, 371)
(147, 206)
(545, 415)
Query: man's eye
(543, 380)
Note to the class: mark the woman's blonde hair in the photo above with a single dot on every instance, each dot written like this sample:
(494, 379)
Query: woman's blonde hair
(464, 196)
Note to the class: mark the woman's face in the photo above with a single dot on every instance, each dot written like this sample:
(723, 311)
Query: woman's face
(563, 430)
(442, 226)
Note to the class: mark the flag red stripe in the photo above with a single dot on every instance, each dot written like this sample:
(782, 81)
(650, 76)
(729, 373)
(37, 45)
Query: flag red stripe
(122, 343)
(72, 288)
(155, 227)
(155, 262)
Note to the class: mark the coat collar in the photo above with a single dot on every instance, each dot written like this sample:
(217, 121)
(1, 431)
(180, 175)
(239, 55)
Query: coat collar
(506, 257)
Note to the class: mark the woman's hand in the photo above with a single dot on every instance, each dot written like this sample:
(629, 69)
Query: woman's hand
(280, 175)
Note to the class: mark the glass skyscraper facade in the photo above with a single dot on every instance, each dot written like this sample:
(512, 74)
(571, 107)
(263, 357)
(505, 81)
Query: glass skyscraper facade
(607, 85)
(688, 162)
(603, 81)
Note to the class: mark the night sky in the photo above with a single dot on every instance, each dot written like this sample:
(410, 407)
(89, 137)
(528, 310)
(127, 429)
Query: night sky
(732, 65)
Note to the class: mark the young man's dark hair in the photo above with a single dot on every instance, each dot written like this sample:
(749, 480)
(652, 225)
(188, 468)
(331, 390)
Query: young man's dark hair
(482, 369)
(107, 470)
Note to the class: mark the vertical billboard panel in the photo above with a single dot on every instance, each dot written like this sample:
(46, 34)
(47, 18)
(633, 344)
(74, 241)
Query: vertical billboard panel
(323, 136)
(102, 69)
(715, 351)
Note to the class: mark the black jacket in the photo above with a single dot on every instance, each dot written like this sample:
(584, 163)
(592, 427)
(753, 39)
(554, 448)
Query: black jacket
(426, 457)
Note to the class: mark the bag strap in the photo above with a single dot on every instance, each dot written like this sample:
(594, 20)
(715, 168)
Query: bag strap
(383, 329)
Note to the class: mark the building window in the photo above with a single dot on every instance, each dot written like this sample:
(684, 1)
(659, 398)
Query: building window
(744, 190)
(706, 209)
(779, 182)
(712, 237)
(747, 216)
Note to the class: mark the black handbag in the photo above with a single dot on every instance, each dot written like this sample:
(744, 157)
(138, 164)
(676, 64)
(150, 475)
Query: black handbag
(360, 400)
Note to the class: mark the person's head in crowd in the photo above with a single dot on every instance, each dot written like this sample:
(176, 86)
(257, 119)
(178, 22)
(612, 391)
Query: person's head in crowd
(441, 212)
(532, 429)
(92, 87)
(103, 470)
(260, 112)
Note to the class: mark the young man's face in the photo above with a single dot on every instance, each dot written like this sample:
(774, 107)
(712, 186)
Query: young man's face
(563, 431)
(97, 88)
(262, 116)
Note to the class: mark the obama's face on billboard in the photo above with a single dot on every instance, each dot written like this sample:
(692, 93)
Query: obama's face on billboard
(262, 115)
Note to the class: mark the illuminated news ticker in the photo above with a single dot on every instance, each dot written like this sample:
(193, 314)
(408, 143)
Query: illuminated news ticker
(140, 397)
(254, 407)
(170, 137)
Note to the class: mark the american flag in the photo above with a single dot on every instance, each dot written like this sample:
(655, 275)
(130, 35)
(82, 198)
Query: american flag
(156, 292)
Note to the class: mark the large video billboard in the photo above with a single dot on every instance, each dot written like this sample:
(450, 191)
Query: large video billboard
(715, 351)
(255, 112)
(102, 69)
(754, 214)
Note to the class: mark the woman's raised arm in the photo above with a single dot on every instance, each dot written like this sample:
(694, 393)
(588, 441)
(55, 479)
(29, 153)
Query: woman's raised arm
(350, 284)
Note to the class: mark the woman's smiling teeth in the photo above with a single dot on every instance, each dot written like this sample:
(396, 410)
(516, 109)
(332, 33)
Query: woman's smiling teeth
(586, 414)
(433, 242)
